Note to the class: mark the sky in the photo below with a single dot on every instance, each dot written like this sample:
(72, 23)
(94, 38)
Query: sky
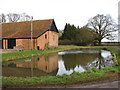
(75, 12)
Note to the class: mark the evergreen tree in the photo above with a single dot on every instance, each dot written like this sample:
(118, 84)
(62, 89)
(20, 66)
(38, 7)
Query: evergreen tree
(76, 35)
(69, 32)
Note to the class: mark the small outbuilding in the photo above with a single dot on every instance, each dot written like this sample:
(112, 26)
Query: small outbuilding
(45, 34)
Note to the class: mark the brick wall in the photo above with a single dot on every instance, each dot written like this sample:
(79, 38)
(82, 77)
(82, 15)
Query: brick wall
(49, 38)
(26, 43)
(41, 41)
(53, 39)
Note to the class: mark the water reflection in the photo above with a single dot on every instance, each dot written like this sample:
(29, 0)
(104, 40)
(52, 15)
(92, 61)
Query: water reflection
(71, 60)
(59, 63)
(46, 63)
(76, 52)
(38, 66)
(103, 60)
(81, 61)
(62, 68)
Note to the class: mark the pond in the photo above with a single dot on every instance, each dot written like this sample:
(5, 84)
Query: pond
(58, 63)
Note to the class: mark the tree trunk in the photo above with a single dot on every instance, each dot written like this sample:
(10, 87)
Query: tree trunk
(99, 42)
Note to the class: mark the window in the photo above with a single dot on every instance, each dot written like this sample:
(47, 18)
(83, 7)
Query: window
(45, 36)
(46, 67)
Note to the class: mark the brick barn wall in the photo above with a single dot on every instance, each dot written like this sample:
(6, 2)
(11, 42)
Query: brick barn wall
(41, 41)
(53, 39)
(26, 43)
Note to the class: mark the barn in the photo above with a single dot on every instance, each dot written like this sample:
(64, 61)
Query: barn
(44, 34)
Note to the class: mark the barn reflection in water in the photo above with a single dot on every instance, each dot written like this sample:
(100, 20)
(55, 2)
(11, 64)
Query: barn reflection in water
(58, 63)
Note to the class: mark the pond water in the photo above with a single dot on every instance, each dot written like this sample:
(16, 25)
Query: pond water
(58, 63)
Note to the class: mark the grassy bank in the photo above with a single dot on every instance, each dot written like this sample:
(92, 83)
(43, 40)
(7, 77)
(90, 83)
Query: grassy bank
(116, 54)
(27, 54)
(93, 74)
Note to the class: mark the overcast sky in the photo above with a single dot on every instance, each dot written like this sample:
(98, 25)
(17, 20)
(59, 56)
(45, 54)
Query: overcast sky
(75, 12)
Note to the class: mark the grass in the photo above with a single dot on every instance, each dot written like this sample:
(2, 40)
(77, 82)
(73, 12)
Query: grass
(87, 76)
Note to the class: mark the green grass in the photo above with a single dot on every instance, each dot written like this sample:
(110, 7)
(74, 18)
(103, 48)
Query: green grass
(87, 76)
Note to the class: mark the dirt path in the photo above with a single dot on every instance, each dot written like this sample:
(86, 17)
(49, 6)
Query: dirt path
(114, 84)
(7, 50)
(111, 84)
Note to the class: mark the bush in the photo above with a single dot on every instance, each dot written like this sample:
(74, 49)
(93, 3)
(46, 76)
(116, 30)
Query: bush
(66, 42)
(19, 48)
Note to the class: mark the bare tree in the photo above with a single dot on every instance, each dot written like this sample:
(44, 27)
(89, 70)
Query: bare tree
(103, 26)
(25, 17)
(13, 17)
(2, 18)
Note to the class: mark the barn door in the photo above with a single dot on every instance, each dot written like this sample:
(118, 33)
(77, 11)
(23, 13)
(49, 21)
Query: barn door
(11, 43)
(1, 43)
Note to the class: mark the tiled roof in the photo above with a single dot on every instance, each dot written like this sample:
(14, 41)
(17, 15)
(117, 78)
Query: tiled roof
(23, 29)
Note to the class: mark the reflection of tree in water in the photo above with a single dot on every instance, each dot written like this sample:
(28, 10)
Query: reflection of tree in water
(100, 62)
(71, 60)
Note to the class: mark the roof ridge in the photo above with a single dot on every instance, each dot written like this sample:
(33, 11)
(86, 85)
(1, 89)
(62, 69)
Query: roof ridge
(26, 21)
